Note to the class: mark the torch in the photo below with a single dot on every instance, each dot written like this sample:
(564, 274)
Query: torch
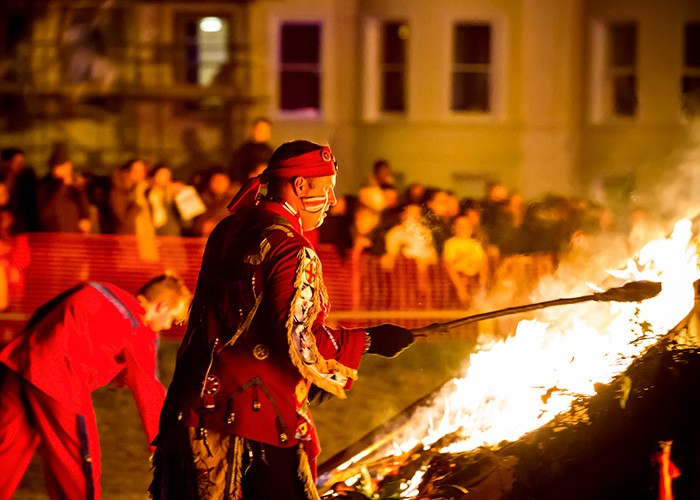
(633, 291)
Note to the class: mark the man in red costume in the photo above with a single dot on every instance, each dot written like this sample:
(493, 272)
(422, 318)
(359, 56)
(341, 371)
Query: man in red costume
(236, 422)
(77, 342)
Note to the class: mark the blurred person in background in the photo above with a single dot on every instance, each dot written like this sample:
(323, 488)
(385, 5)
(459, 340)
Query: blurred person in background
(382, 174)
(87, 337)
(14, 254)
(161, 200)
(337, 228)
(21, 182)
(216, 194)
(62, 197)
(440, 208)
(236, 422)
(494, 210)
(131, 209)
(413, 194)
(251, 157)
(127, 198)
(466, 262)
(411, 239)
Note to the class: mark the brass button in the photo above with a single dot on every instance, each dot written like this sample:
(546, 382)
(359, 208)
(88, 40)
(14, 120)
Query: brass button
(261, 351)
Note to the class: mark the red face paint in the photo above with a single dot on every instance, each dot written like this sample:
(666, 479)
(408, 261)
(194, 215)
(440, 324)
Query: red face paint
(314, 204)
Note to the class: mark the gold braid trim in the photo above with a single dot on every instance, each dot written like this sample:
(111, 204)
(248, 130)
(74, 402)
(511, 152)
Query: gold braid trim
(304, 472)
(236, 487)
(322, 365)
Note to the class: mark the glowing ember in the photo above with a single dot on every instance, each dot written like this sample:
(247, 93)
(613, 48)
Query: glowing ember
(518, 384)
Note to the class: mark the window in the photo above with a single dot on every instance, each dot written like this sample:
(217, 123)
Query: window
(622, 68)
(393, 66)
(471, 67)
(92, 43)
(300, 67)
(690, 84)
(205, 49)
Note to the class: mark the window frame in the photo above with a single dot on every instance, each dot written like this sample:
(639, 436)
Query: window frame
(498, 82)
(276, 82)
(689, 71)
(180, 19)
(390, 67)
(459, 68)
(601, 106)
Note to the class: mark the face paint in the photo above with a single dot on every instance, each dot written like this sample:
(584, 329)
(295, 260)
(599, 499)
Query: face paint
(314, 204)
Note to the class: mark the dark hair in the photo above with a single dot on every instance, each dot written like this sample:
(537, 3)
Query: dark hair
(8, 153)
(261, 119)
(381, 162)
(126, 166)
(58, 156)
(154, 169)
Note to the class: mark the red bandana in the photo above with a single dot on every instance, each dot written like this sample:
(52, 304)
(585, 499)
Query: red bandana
(317, 163)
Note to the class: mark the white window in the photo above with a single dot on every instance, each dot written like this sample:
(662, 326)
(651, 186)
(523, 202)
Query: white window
(300, 67)
(690, 83)
(471, 73)
(204, 48)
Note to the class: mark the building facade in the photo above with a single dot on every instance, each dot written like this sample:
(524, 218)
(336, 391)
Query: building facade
(586, 97)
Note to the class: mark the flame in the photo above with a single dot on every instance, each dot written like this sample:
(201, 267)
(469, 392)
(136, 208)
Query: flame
(520, 383)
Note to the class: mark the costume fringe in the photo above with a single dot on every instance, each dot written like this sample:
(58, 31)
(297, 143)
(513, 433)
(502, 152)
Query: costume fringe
(305, 475)
(236, 488)
(322, 365)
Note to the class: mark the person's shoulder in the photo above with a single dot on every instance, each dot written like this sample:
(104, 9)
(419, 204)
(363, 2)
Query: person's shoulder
(123, 295)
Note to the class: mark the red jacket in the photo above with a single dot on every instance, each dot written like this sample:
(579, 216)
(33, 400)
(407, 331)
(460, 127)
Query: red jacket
(83, 343)
(256, 337)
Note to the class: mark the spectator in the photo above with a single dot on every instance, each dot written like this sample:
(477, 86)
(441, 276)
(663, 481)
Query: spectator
(389, 217)
(161, 200)
(414, 194)
(251, 157)
(79, 341)
(130, 207)
(128, 199)
(381, 174)
(14, 254)
(411, 239)
(62, 199)
(216, 195)
(21, 183)
(98, 189)
(494, 211)
(337, 228)
(466, 262)
(440, 209)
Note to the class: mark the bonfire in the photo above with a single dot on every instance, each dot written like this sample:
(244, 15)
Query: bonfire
(550, 392)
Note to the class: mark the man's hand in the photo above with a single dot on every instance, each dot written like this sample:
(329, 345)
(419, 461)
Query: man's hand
(388, 340)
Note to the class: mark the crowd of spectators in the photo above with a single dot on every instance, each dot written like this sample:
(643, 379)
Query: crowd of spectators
(469, 237)
(138, 198)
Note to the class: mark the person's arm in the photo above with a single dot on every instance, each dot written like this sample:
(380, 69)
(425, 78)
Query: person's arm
(140, 377)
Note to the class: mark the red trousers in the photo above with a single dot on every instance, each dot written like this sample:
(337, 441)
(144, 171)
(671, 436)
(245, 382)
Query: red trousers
(68, 442)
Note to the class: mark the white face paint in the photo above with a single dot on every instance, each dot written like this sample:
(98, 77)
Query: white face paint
(319, 198)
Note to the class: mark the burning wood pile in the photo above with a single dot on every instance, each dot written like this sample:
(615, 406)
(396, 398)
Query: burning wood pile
(584, 407)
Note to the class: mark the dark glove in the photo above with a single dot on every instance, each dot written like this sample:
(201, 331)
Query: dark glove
(388, 340)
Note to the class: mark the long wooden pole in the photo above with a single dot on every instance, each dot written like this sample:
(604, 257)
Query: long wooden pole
(633, 291)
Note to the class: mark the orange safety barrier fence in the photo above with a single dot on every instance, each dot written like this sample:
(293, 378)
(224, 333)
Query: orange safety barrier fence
(35, 267)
